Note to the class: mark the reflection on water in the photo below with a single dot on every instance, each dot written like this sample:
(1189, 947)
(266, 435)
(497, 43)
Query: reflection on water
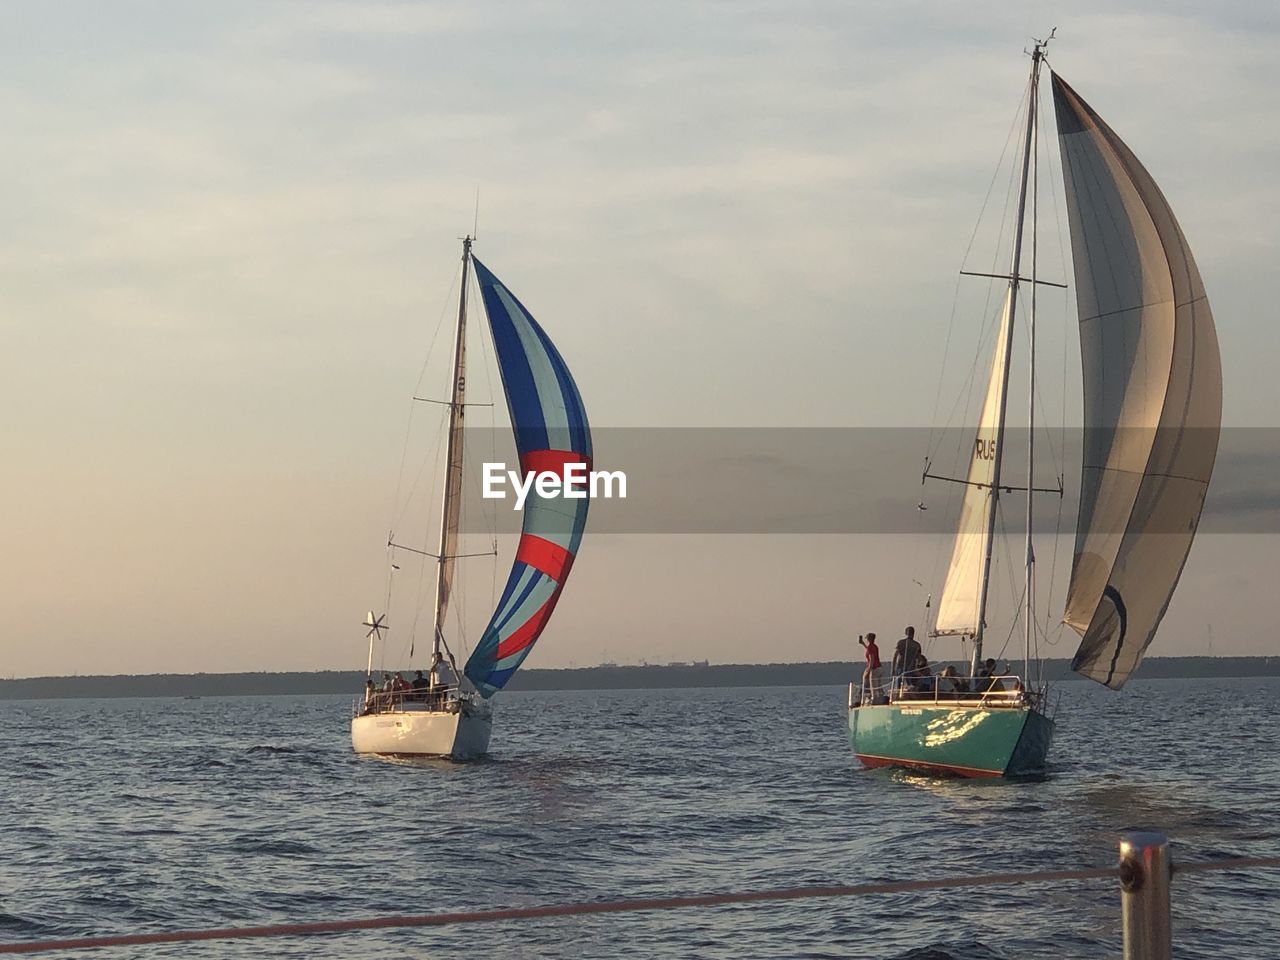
(126, 815)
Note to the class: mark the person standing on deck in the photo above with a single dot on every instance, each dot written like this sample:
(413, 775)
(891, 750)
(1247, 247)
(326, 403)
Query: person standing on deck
(870, 675)
(906, 655)
(441, 679)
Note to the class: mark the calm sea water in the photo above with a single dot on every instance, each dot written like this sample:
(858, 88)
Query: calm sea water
(133, 815)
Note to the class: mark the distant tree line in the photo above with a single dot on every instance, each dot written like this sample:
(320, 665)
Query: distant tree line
(579, 678)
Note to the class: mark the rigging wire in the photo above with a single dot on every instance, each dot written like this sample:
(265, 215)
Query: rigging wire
(955, 298)
(1026, 605)
(1030, 627)
(439, 479)
(424, 565)
(1010, 567)
(967, 390)
(490, 512)
(1056, 453)
(1056, 182)
(398, 506)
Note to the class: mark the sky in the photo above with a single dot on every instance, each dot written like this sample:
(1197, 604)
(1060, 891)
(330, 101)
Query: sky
(231, 234)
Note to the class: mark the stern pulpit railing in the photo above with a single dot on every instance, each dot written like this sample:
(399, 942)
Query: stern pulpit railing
(398, 701)
(1006, 690)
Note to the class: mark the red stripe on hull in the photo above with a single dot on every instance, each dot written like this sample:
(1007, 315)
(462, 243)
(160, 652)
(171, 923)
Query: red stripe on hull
(938, 768)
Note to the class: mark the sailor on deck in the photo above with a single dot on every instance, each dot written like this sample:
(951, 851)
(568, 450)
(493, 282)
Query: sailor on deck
(442, 678)
(419, 684)
(988, 679)
(906, 655)
(871, 674)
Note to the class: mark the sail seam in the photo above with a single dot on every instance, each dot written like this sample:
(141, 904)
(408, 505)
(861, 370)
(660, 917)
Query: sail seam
(1142, 306)
(1146, 473)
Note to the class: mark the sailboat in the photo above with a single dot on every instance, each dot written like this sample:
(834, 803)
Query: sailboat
(1152, 414)
(450, 715)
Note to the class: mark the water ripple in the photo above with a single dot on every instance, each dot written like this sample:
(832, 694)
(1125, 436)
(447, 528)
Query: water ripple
(245, 815)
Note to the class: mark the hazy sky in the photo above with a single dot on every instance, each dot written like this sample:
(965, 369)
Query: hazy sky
(230, 234)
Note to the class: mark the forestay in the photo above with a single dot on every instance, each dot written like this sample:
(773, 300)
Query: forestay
(1152, 394)
(551, 430)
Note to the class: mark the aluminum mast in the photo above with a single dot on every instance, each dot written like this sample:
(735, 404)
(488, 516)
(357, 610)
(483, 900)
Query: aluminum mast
(1037, 56)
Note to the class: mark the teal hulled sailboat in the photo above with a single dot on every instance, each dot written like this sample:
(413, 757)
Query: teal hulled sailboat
(1152, 413)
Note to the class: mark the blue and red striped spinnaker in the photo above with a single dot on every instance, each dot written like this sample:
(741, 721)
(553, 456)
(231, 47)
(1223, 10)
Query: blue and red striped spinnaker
(551, 432)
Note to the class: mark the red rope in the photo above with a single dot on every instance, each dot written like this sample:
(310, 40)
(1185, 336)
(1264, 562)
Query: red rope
(1239, 863)
(607, 906)
(551, 910)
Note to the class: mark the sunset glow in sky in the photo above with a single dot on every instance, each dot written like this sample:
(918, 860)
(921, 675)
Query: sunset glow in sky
(231, 235)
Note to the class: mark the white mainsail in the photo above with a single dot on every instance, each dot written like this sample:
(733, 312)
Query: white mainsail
(1152, 394)
(451, 503)
(960, 606)
(452, 510)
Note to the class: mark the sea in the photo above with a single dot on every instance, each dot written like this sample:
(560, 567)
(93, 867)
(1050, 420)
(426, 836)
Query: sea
(126, 816)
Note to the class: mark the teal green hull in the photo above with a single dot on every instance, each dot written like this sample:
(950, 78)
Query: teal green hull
(952, 740)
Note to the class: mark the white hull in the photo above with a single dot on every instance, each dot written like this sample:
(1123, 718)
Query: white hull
(457, 734)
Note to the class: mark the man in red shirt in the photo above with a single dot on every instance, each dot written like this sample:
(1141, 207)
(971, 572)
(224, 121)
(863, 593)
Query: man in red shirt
(871, 675)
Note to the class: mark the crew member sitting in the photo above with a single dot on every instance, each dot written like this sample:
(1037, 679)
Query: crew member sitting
(948, 683)
(420, 685)
(925, 681)
(988, 681)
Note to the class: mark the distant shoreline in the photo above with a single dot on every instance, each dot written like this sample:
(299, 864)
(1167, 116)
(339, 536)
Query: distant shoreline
(576, 678)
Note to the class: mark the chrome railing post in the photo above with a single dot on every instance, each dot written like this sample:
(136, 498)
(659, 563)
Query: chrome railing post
(1144, 895)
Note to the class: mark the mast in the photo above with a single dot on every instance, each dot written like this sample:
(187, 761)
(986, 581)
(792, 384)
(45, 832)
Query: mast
(1029, 609)
(450, 501)
(1037, 56)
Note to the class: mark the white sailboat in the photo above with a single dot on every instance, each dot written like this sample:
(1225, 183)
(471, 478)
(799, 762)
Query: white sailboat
(450, 715)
